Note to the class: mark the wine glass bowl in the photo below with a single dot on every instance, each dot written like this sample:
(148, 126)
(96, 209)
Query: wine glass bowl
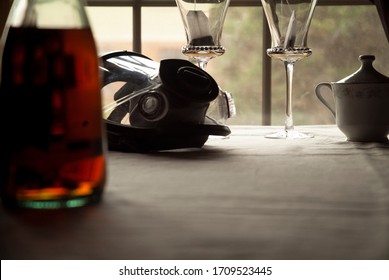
(203, 23)
(289, 22)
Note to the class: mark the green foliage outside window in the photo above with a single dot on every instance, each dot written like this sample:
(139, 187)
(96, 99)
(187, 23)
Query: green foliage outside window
(338, 35)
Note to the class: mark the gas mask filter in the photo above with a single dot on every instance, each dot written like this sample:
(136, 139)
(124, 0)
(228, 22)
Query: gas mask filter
(151, 106)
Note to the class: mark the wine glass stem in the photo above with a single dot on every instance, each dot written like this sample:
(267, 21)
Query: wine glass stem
(202, 63)
(289, 88)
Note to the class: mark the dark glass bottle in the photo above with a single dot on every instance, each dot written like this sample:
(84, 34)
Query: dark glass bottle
(52, 153)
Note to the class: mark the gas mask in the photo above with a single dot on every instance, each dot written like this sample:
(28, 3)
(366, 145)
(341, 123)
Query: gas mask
(151, 106)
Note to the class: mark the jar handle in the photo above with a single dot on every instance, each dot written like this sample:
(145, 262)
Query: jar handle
(319, 95)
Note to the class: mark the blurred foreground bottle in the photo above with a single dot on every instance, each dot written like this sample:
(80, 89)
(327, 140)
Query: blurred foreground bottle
(52, 153)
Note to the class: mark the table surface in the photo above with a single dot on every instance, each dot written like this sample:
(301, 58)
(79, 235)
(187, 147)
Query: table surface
(241, 197)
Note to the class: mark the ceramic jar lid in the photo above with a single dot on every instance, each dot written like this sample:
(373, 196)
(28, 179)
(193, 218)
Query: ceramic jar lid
(366, 73)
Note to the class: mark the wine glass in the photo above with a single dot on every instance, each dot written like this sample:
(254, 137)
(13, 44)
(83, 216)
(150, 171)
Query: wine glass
(203, 23)
(289, 22)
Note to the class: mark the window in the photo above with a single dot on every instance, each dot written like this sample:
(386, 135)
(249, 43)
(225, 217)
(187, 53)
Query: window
(341, 30)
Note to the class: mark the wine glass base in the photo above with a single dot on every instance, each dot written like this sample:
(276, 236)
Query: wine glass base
(289, 134)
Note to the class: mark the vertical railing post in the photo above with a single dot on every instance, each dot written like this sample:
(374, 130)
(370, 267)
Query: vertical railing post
(137, 27)
(266, 73)
(5, 6)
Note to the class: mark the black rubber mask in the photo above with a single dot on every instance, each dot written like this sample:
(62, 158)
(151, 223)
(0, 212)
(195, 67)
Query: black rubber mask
(150, 106)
